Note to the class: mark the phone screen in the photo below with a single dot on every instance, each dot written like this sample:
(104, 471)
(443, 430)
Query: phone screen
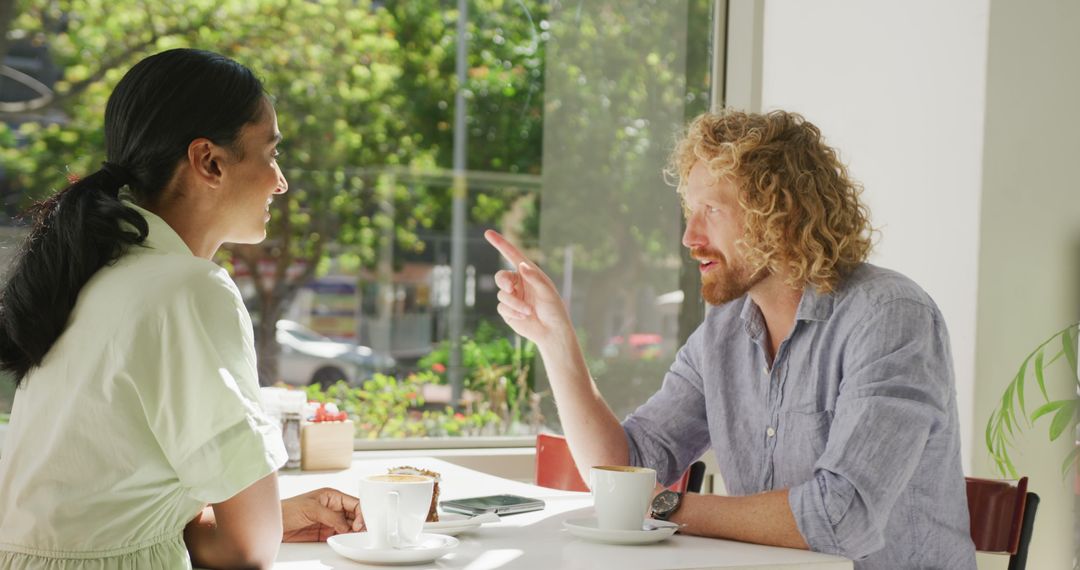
(498, 504)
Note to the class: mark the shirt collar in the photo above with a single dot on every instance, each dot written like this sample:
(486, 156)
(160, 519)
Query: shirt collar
(753, 322)
(813, 306)
(161, 235)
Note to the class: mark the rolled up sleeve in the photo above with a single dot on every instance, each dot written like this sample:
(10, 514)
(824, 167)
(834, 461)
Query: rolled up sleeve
(199, 390)
(894, 392)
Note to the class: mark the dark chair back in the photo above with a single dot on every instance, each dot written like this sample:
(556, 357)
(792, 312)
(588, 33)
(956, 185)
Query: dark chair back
(555, 468)
(1018, 561)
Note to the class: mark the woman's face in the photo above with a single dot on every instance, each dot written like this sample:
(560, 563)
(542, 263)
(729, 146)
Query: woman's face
(252, 181)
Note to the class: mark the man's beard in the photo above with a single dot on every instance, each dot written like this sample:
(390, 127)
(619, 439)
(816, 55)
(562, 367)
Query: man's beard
(725, 281)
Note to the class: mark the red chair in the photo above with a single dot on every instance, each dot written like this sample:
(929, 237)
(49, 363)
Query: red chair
(1002, 516)
(555, 468)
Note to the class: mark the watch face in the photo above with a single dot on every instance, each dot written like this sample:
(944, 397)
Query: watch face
(665, 502)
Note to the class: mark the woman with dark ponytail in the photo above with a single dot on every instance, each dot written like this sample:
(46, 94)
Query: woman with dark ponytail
(136, 439)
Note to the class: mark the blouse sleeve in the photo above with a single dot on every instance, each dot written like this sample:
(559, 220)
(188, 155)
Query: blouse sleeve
(195, 370)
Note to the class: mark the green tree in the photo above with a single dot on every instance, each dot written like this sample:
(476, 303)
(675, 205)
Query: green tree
(363, 93)
(331, 67)
(622, 80)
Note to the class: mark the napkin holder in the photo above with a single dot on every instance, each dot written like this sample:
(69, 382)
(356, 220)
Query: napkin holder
(326, 445)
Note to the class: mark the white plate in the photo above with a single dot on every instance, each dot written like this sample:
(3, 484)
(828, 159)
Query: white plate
(453, 524)
(587, 529)
(357, 546)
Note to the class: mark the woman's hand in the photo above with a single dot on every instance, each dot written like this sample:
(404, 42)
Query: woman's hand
(528, 300)
(318, 515)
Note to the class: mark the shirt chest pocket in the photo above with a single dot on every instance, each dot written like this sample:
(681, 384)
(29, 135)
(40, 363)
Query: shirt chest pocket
(801, 439)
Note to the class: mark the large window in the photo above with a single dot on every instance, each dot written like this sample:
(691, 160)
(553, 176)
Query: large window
(375, 262)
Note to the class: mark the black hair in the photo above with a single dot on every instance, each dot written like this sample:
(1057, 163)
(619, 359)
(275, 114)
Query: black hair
(162, 104)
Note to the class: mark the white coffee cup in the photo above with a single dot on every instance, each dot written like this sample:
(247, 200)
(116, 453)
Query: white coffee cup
(621, 495)
(395, 508)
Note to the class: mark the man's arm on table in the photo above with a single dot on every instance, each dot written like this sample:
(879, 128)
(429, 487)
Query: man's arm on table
(765, 518)
(896, 389)
(895, 385)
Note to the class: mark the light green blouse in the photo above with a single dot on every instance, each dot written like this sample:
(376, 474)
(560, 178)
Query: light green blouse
(144, 411)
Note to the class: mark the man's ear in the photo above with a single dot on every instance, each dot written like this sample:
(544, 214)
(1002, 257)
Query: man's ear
(205, 159)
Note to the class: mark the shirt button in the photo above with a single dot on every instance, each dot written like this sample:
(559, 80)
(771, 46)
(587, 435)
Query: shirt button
(765, 369)
(770, 432)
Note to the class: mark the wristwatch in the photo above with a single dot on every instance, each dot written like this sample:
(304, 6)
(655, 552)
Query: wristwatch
(665, 504)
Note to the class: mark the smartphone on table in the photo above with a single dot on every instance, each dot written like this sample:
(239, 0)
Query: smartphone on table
(498, 504)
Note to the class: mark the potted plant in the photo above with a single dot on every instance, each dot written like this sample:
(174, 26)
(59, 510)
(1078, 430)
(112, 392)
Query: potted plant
(1005, 421)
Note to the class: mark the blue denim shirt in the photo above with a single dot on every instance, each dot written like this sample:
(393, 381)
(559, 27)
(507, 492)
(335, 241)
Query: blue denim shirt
(856, 416)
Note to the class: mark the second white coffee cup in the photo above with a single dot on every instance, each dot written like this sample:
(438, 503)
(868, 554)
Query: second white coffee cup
(395, 508)
(621, 495)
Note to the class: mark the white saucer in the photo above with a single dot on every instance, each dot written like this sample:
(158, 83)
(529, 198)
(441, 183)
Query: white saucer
(453, 524)
(357, 546)
(587, 529)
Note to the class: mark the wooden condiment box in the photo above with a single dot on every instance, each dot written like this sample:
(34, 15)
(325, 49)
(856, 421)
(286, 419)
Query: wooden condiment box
(326, 445)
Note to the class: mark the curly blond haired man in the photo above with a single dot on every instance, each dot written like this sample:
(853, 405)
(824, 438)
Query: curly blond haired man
(824, 384)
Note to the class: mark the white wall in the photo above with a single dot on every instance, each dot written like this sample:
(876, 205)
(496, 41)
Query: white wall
(1030, 249)
(898, 88)
(961, 120)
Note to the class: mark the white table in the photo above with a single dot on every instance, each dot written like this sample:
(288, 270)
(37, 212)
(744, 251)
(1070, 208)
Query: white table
(536, 540)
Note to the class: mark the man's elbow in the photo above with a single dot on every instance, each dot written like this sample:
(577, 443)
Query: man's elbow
(857, 532)
(837, 519)
(860, 545)
(855, 545)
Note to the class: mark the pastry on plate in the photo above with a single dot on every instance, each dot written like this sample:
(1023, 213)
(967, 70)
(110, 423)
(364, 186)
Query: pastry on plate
(433, 512)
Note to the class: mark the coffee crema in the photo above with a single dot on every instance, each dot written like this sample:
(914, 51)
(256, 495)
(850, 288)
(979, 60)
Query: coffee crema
(623, 468)
(398, 478)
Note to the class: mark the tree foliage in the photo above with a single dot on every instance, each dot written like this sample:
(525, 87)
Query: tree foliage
(365, 98)
(622, 79)
(363, 93)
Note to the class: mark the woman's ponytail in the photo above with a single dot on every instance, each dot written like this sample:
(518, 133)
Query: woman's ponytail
(75, 233)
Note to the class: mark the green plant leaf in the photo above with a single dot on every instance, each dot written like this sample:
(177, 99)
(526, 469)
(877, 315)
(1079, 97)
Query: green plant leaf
(1069, 460)
(1006, 407)
(1019, 383)
(1009, 465)
(1049, 407)
(1062, 419)
(1022, 372)
(1006, 439)
(999, 432)
(1057, 356)
(1068, 344)
(1040, 377)
(1001, 467)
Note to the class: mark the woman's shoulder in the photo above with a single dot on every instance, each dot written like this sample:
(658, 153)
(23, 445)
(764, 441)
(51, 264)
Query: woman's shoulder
(148, 282)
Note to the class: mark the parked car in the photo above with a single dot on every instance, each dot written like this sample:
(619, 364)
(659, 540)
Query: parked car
(307, 357)
(639, 346)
